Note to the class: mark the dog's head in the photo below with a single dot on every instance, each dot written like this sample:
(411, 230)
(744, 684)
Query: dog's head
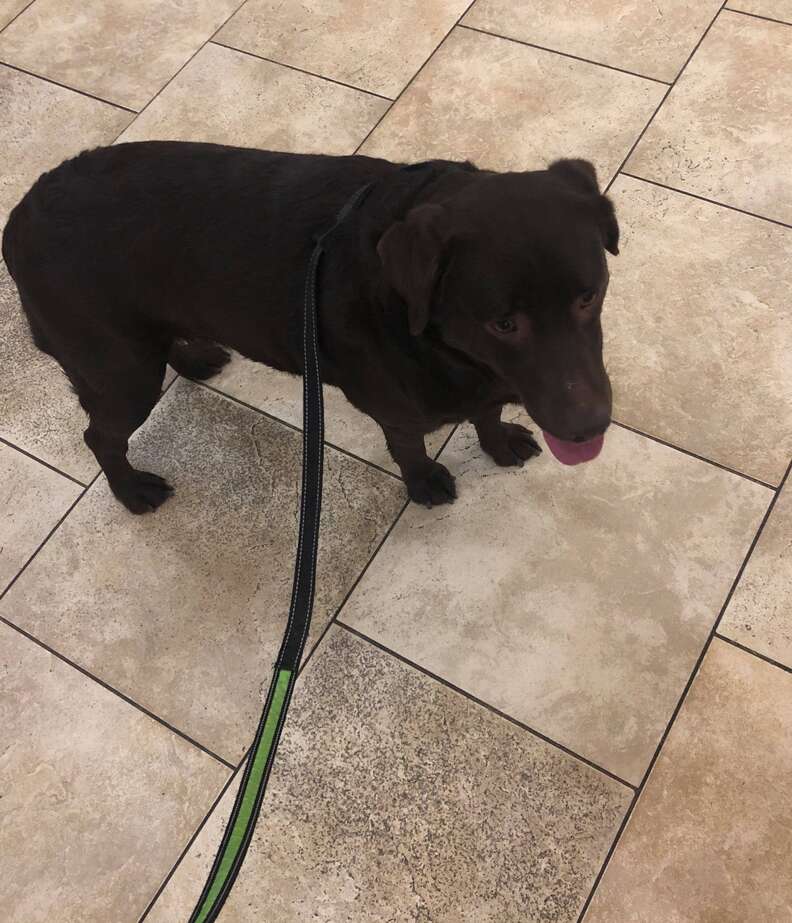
(511, 272)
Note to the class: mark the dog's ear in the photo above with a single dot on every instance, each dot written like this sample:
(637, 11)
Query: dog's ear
(411, 252)
(609, 226)
(581, 175)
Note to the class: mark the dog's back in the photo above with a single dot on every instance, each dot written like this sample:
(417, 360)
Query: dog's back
(122, 254)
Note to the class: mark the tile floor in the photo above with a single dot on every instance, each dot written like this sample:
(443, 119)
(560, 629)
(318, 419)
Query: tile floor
(594, 722)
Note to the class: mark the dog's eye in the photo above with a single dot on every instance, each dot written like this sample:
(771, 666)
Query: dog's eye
(587, 298)
(504, 325)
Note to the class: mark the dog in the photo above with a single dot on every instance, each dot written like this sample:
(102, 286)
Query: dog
(450, 292)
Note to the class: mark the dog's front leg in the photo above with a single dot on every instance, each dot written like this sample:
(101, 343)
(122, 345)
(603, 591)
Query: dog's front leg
(428, 482)
(506, 443)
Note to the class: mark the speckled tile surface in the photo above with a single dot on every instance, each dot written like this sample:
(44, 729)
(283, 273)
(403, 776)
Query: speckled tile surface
(253, 103)
(577, 601)
(510, 107)
(97, 797)
(725, 128)
(43, 124)
(395, 798)
(698, 328)
(573, 599)
(375, 45)
(39, 412)
(123, 51)
(280, 394)
(32, 499)
(759, 614)
(710, 838)
(652, 39)
(183, 609)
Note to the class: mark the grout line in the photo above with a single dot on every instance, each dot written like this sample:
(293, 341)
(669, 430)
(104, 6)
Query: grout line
(17, 15)
(702, 198)
(412, 79)
(750, 650)
(354, 586)
(300, 70)
(371, 464)
(665, 97)
(295, 428)
(54, 529)
(65, 86)
(370, 561)
(41, 461)
(617, 839)
(563, 54)
(213, 807)
(448, 439)
(300, 672)
(684, 695)
(781, 22)
(121, 695)
(49, 535)
(173, 76)
(490, 708)
(688, 452)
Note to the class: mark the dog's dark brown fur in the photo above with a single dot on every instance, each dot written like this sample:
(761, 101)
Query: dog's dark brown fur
(448, 293)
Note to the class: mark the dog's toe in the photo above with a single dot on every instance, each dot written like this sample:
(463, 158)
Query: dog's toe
(434, 488)
(522, 442)
(143, 492)
(513, 446)
(198, 359)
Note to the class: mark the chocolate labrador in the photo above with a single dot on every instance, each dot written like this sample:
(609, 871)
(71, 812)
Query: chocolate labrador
(448, 293)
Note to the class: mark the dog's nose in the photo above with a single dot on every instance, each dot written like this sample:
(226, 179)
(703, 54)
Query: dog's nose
(592, 420)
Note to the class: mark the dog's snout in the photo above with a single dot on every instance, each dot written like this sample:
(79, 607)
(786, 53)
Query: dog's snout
(589, 419)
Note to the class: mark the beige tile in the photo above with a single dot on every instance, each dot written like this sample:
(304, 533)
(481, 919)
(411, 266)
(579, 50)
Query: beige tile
(39, 411)
(394, 798)
(574, 599)
(32, 500)
(43, 124)
(11, 8)
(510, 107)
(711, 836)
(699, 330)
(184, 609)
(98, 799)
(760, 611)
(650, 39)
(376, 45)
(281, 395)
(228, 97)
(775, 9)
(124, 51)
(724, 132)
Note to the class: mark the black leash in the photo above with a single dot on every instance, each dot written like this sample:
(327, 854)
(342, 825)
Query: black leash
(241, 825)
(247, 805)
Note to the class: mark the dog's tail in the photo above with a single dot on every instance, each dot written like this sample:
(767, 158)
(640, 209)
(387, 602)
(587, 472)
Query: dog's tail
(10, 251)
(7, 246)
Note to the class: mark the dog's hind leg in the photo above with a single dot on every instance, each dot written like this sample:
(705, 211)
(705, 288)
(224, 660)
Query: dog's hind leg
(117, 403)
(198, 359)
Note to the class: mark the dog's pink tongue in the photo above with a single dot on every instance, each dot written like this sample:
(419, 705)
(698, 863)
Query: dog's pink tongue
(573, 453)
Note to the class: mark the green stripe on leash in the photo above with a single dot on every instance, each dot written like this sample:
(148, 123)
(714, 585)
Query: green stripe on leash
(252, 786)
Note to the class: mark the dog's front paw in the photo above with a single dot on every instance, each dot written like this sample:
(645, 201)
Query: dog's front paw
(432, 487)
(510, 445)
(143, 492)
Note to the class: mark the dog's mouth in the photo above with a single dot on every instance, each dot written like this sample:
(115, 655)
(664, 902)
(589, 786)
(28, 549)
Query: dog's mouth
(574, 453)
